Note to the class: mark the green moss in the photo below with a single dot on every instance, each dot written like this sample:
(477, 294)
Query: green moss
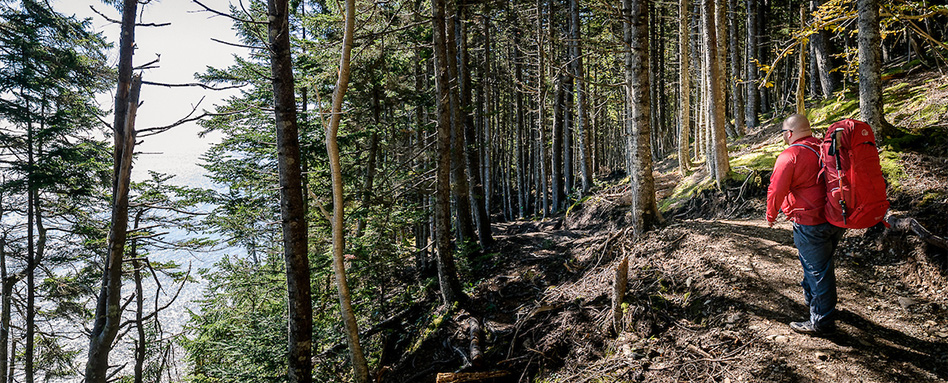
(929, 198)
(761, 159)
(892, 169)
(686, 189)
(846, 105)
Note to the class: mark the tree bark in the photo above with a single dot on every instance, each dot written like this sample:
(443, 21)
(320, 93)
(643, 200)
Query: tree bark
(716, 108)
(823, 62)
(543, 198)
(684, 83)
(470, 134)
(801, 78)
(108, 314)
(870, 68)
(359, 365)
(295, 247)
(582, 117)
(644, 207)
(751, 107)
(459, 176)
(447, 272)
(737, 99)
(559, 197)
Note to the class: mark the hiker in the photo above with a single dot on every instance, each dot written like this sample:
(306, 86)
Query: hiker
(797, 189)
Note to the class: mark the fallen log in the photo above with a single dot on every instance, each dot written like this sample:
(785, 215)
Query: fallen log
(618, 293)
(910, 224)
(477, 333)
(461, 377)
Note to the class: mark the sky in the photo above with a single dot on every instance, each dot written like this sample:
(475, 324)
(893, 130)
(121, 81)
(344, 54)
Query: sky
(185, 48)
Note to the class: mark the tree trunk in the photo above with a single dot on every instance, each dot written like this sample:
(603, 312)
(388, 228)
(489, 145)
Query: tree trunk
(6, 296)
(543, 198)
(470, 134)
(559, 197)
(716, 100)
(582, 117)
(459, 176)
(737, 99)
(140, 341)
(447, 272)
(295, 249)
(870, 68)
(720, 25)
(489, 85)
(684, 83)
(823, 62)
(801, 79)
(644, 208)
(568, 121)
(357, 358)
(751, 107)
(108, 314)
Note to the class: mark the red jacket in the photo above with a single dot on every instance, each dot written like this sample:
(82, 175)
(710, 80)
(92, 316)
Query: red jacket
(795, 186)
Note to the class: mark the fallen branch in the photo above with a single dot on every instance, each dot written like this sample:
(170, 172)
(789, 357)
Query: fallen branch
(907, 224)
(460, 377)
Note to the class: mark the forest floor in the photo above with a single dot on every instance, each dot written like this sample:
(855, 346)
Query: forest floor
(710, 294)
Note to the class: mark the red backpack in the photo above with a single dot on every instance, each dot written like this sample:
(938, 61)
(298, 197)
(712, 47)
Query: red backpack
(855, 188)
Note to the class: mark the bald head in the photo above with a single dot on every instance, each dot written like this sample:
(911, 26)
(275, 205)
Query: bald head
(797, 123)
(795, 127)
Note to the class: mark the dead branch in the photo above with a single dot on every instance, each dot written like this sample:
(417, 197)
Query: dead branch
(192, 84)
(113, 21)
(910, 224)
(229, 16)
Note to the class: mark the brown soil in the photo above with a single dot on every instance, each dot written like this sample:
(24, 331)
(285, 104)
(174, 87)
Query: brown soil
(709, 299)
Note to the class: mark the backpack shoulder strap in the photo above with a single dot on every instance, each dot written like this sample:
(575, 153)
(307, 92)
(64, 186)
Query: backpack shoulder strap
(808, 147)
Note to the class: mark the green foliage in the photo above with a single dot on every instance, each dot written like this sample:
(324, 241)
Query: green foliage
(239, 334)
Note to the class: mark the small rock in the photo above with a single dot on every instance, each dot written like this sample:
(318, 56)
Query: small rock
(688, 283)
(772, 337)
(930, 323)
(906, 302)
(822, 356)
(733, 318)
(781, 339)
(753, 327)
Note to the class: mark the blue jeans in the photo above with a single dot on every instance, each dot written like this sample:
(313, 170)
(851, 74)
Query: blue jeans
(816, 245)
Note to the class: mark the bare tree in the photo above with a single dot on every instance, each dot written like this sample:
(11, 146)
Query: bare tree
(108, 312)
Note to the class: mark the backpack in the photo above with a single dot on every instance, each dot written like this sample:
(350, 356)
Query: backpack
(855, 188)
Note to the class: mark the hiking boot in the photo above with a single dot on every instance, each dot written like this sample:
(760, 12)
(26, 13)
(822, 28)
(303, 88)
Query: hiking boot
(808, 328)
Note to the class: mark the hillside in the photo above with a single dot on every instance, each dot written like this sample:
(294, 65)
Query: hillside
(710, 293)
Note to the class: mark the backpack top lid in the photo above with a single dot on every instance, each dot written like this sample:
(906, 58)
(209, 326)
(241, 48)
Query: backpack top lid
(851, 133)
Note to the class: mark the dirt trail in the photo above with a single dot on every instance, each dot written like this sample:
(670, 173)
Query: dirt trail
(708, 299)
